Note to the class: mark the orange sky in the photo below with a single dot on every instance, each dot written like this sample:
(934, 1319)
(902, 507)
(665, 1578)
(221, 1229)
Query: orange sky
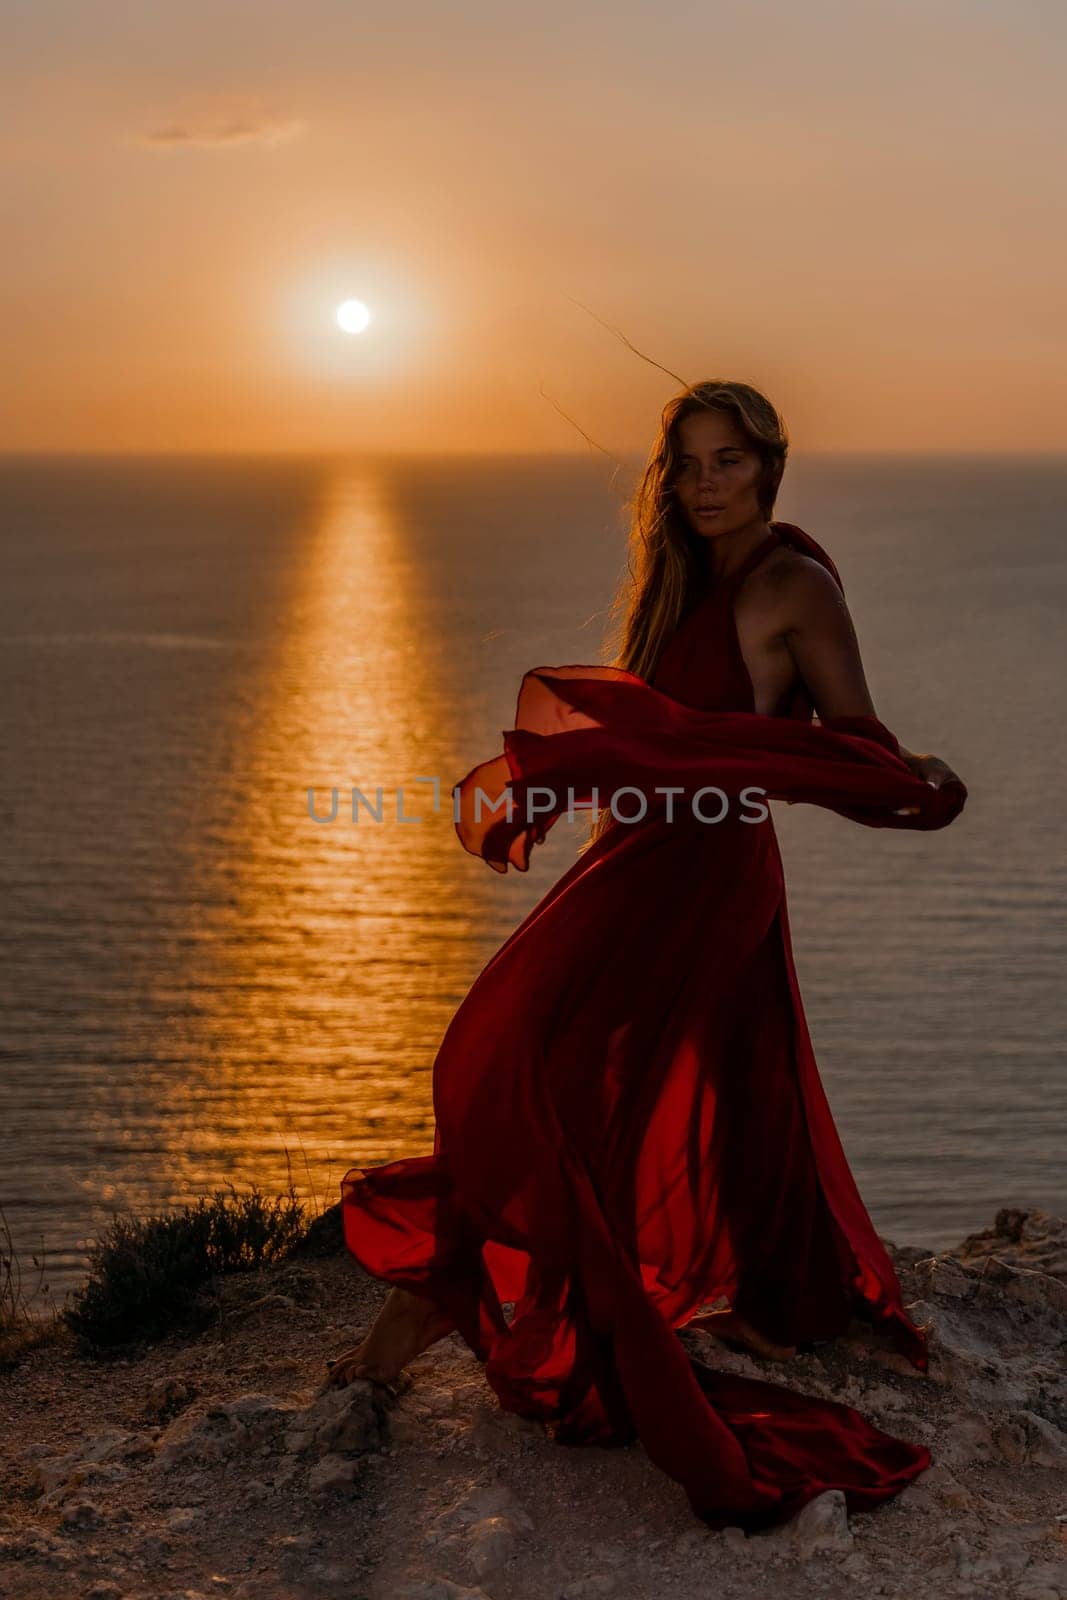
(858, 207)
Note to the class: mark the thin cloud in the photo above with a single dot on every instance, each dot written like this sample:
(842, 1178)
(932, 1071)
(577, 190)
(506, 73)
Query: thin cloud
(218, 131)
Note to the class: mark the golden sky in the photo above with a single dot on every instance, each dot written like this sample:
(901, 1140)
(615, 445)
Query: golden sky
(857, 207)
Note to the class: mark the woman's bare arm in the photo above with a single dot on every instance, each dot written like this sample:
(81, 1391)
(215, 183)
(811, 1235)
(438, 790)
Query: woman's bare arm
(822, 641)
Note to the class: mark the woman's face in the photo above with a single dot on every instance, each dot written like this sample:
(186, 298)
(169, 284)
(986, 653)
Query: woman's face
(715, 467)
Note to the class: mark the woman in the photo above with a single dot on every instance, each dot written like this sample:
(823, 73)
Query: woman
(631, 1132)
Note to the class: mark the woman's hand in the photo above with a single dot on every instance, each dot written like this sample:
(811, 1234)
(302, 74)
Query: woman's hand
(932, 770)
(935, 771)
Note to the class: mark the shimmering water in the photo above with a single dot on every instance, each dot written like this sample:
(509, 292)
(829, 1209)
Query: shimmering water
(198, 978)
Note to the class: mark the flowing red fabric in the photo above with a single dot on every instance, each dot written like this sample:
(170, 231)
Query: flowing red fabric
(630, 1122)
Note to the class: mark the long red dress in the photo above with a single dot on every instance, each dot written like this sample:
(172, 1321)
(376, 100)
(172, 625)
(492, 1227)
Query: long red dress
(629, 1117)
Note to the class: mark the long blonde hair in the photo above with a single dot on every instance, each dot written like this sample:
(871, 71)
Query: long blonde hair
(664, 573)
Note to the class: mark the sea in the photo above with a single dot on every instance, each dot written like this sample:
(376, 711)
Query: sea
(210, 981)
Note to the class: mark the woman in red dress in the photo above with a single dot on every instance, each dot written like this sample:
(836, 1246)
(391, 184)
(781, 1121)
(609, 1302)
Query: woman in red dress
(631, 1133)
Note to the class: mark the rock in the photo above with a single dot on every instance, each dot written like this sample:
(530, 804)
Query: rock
(967, 1440)
(1046, 1445)
(218, 1431)
(585, 1588)
(165, 1396)
(980, 1294)
(117, 1443)
(257, 1413)
(991, 1569)
(329, 1572)
(961, 1357)
(181, 1518)
(487, 1503)
(492, 1541)
(940, 1481)
(34, 1544)
(1047, 1581)
(1021, 1437)
(82, 1477)
(255, 1492)
(352, 1418)
(821, 1525)
(1009, 1442)
(1030, 1238)
(154, 1549)
(333, 1474)
(82, 1516)
(944, 1278)
(98, 1459)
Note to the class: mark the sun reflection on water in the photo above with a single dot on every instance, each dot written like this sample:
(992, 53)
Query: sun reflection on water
(319, 1017)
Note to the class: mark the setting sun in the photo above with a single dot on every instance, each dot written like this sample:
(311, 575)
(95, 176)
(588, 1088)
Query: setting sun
(353, 316)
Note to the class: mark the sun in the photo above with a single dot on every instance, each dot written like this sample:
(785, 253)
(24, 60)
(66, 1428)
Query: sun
(353, 316)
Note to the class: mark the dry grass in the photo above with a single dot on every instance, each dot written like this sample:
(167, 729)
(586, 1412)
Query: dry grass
(28, 1316)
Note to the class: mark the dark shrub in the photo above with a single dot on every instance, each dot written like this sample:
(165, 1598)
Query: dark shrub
(149, 1276)
(324, 1235)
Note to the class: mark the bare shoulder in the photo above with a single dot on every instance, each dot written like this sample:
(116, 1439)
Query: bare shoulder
(799, 588)
(788, 569)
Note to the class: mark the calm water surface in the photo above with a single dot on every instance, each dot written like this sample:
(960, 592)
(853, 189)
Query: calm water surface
(201, 982)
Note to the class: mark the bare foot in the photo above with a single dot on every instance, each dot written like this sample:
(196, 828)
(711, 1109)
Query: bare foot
(733, 1329)
(406, 1325)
